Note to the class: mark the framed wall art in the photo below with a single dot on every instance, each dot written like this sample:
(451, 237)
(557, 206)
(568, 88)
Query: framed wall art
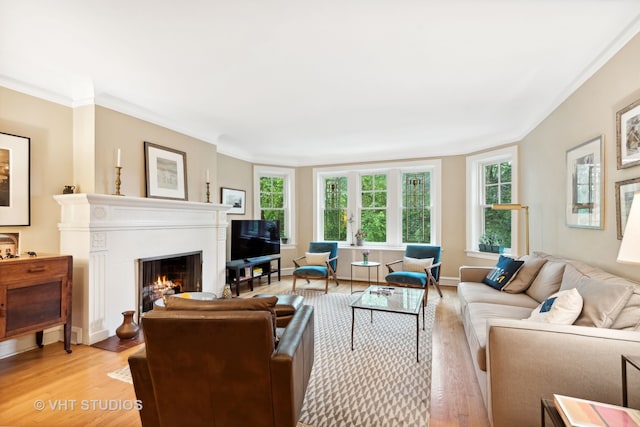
(166, 171)
(233, 198)
(624, 196)
(584, 190)
(15, 180)
(628, 135)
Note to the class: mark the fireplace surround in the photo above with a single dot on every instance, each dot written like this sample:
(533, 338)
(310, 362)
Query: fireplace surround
(109, 235)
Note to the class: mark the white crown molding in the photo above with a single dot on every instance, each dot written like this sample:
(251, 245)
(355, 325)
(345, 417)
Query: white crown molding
(35, 91)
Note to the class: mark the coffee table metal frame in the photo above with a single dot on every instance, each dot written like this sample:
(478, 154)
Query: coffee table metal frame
(401, 301)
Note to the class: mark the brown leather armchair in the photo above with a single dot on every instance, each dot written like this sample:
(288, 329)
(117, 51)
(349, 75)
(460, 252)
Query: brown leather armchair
(223, 368)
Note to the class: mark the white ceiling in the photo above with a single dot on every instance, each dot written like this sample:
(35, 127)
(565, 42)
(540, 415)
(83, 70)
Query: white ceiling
(301, 82)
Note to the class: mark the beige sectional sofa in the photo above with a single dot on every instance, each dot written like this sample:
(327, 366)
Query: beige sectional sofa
(518, 361)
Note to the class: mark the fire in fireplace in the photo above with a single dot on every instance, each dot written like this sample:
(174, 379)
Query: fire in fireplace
(160, 276)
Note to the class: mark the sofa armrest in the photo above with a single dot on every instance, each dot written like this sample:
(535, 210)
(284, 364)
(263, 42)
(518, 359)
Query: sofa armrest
(144, 388)
(291, 366)
(470, 273)
(527, 361)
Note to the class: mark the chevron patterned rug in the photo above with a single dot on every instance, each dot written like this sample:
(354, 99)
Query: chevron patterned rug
(379, 384)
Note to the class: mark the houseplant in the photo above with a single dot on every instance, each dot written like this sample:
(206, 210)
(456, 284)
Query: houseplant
(490, 243)
(360, 236)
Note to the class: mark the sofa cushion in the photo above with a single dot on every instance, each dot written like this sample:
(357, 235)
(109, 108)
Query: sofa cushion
(417, 265)
(470, 292)
(547, 282)
(476, 326)
(629, 318)
(603, 302)
(505, 270)
(561, 308)
(525, 276)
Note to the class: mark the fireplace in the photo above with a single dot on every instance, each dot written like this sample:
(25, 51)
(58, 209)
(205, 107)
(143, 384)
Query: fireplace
(168, 275)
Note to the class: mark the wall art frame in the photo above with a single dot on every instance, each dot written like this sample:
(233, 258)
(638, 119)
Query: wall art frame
(628, 136)
(584, 184)
(234, 198)
(166, 172)
(624, 196)
(15, 180)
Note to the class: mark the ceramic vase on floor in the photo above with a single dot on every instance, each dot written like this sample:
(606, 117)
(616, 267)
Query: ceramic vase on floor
(129, 328)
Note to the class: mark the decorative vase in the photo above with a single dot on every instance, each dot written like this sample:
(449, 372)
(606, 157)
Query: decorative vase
(365, 259)
(226, 292)
(129, 329)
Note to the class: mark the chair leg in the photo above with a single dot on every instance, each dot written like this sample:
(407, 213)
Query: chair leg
(326, 285)
(437, 286)
(293, 288)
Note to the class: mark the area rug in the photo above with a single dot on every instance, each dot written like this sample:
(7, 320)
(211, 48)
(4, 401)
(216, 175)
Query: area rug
(377, 384)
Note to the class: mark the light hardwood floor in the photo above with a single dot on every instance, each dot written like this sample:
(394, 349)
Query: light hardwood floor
(76, 391)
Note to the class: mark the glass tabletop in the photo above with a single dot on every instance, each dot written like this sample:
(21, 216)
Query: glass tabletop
(385, 298)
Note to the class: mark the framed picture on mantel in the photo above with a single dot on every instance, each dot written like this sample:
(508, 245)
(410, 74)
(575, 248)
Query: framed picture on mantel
(166, 171)
(15, 180)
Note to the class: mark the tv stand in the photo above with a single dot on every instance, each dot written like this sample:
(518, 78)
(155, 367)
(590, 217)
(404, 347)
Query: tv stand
(245, 270)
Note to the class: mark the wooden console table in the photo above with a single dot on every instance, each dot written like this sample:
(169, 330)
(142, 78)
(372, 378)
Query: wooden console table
(35, 294)
(236, 270)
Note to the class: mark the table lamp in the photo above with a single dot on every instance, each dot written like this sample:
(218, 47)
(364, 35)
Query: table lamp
(516, 207)
(630, 247)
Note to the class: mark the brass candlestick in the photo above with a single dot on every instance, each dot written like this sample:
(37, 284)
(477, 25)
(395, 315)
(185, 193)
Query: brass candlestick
(118, 182)
(208, 194)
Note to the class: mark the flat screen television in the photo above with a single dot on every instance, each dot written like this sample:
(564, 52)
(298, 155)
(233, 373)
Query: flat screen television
(253, 238)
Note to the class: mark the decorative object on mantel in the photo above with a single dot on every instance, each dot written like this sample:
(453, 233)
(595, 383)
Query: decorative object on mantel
(208, 189)
(365, 256)
(15, 208)
(118, 173)
(68, 189)
(129, 328)
(166, 172)
(360, 236)
(628, 135)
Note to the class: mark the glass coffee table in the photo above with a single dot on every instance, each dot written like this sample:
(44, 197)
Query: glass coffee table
(393, 300)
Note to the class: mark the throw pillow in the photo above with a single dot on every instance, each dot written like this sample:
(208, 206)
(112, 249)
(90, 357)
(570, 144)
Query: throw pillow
(548, 280)
(318, 258)
(503, 273)
(603, 302)
(416, 264)
(525, 276)
(561, 308)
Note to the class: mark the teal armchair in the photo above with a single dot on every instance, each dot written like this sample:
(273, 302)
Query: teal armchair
(313, 266)
(411, 272)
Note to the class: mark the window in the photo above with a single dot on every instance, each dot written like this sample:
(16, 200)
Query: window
(416, 207)
(492, 179)
(373, 214)
(272, 200)
(393, 203)
(335, 208)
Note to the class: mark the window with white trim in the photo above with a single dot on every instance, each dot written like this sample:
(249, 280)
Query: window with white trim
(393, 204)
(492, 179)
(273, 188)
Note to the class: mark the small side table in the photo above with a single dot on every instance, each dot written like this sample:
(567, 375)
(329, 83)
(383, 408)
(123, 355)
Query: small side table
(635, 362)
(369, 265)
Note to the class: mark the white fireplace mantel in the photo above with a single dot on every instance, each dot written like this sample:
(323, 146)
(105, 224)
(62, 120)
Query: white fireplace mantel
(107, 235)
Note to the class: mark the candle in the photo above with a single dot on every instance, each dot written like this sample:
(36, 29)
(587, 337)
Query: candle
(118, 164)
(208, 175)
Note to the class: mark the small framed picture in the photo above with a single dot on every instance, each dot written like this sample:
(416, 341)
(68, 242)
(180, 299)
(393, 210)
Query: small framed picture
(584, 186)
(9, 245)
(166, 172)
(233, 198)
(15, 180)
(628, 135)
(624, 196)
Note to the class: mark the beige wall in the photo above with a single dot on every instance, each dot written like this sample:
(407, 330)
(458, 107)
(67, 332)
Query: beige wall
(589, 112)
(49, 126)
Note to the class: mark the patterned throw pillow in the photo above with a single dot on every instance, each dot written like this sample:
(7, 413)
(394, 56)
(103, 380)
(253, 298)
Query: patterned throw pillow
(561, 308)
(505, 270)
